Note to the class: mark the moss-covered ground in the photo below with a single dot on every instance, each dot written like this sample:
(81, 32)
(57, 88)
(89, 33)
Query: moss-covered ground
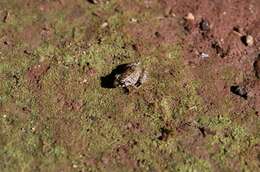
(56, 116)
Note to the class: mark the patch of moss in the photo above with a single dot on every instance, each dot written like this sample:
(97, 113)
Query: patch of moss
(193, 164)
(230, 74)
(100, 55)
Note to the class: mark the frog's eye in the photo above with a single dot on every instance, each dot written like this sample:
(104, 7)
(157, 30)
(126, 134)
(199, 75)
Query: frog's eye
(117, 76)
(116, 83)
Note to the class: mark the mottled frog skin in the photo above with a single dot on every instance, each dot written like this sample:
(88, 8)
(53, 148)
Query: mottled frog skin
(132, 75)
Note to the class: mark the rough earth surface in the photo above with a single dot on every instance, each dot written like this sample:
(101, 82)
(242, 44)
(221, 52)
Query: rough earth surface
(199, 110)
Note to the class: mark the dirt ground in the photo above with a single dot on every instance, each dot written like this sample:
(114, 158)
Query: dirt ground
(198, 110)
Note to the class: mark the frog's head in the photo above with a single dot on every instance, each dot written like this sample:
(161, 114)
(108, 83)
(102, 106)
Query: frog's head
(137, 63)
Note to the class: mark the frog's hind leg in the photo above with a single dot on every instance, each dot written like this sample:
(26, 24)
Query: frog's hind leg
(126, 90)
(141, 80)
(138, 84)
(129, 90)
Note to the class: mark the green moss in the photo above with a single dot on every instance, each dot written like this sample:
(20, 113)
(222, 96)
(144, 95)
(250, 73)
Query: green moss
(98, 55)
(230, 74)
(4, 67)
(5, 90)
(45, 50)
(167, 108)
(216, 122)
(193, 165)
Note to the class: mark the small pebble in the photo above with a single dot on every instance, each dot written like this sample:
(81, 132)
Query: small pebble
(204, 25)
(248, 40)
(133, 20)
(105, 24)
(204, 56)
(190, 16)
(239, 91)
(33, 129)
(84, 81)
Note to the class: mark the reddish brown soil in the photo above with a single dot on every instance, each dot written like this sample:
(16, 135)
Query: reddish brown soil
(224, 17)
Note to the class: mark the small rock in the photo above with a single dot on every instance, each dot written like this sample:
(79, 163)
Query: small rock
(133, 20)
(104, 25)
(248, 40)
(239, 90)
(74, 166)
(189, 22)
(204, 55)
(33, 129)
(190, 16)
(84, 81)
(257, 67)
(204, 25)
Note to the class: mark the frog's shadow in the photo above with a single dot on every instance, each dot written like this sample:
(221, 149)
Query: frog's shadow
(108, 80)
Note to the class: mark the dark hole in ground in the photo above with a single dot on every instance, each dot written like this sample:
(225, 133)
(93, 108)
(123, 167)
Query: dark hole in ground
(157, 34)
(108, 80)
(238, 90)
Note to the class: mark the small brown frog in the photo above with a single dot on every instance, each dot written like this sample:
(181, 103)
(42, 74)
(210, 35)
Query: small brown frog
(131, 74)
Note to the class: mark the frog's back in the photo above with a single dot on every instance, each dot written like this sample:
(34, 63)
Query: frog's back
(129, 76)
